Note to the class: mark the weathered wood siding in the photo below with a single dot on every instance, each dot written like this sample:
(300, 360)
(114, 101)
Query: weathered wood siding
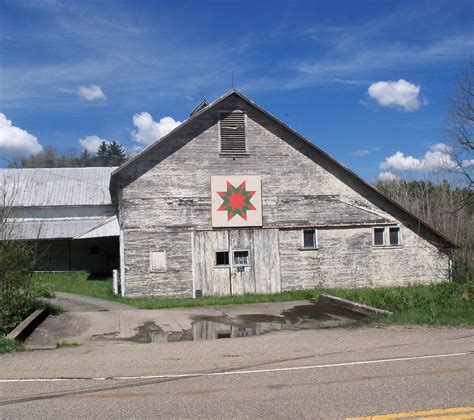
(346, 258)
(261, 276)
(165, 195)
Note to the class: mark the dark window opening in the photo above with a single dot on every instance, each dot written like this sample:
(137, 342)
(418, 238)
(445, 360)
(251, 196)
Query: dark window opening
(309, 238)
(394, 236)
(241, 258)
(93, 250)
(378, 236)
(222, 258)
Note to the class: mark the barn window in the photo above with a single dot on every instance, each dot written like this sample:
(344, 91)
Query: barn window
(241, 258)
(310, 240)
(394, 234)
(389, 236)
(232, 133)
(379, 234)
(222, 258)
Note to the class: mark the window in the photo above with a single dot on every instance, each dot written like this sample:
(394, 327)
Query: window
(232, 132)
(241, 258)
(379, 236)
(309, 238)
(389, 236)
(222, 258)
(394, 233)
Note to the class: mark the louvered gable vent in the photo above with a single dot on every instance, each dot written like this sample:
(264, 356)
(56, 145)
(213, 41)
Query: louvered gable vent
(233, 140)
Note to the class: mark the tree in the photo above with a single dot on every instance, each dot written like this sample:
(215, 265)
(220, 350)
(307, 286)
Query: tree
(461, 124)
(116, 154)
(108, 154)
(18, 297)
(102, 154)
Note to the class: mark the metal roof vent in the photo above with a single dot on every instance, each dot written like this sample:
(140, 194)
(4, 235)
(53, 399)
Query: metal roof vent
(198, 107)
(232, 131)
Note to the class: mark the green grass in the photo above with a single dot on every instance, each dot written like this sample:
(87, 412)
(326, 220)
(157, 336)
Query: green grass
(66, 344)
(7, 346)
(438, 304)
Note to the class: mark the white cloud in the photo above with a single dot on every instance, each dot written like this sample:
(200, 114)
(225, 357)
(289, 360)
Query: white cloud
(402, 94)
(438, 157)
(149, 130)
(91, 93)
(91, 143)
(361, 152)
(387, 177)
(14, 141)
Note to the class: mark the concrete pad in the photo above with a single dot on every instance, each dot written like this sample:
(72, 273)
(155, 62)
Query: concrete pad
(77, 303)
(96, 328)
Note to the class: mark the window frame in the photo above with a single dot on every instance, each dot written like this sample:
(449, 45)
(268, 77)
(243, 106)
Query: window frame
(234, 264)
(386, 236)
(378, 228)
(228, 257)
(315, 245)
(397, 228)
(219, 144)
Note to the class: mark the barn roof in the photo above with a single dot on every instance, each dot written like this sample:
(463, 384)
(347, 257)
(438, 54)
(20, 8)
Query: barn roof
(53, 228)
(416, 221)
(47, 187)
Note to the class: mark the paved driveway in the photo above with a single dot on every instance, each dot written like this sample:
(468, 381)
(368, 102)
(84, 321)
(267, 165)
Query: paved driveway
(77, 303)
(95, 322)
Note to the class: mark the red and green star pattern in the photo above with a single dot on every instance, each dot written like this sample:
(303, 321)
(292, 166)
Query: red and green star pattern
(236, 201)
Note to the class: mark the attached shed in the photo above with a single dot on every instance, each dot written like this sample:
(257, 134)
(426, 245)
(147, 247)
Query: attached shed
(54, 206)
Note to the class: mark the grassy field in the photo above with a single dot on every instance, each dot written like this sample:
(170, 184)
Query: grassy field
(441, 304)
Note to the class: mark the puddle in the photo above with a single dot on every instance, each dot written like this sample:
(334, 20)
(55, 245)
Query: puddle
(302, 317)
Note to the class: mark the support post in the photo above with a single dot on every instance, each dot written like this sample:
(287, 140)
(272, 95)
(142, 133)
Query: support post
(115, 282)
(122, 264)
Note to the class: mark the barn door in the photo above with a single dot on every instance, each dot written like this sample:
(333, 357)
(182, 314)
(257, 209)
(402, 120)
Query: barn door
(242, 277)
(236, 262)
(211, 271)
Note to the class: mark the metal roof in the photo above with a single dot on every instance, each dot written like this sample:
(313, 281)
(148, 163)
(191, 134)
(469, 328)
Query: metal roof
(42, 187)
(52, 228)
(105, 228)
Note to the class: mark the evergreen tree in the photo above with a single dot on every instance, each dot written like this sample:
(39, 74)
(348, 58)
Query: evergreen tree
(116, 154)
(103, 154)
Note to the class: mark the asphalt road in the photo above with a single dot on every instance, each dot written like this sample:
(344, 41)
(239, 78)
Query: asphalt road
(336, 373)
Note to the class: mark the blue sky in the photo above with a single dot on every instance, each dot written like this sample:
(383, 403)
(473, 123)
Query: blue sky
(363, 80)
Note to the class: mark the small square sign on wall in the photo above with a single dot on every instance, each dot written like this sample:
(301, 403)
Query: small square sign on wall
(236, 201)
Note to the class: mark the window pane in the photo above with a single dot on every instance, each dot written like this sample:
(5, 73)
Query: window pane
(394, 236)
(309, 238)
(378, 236)
(241, 258)
(222, 258)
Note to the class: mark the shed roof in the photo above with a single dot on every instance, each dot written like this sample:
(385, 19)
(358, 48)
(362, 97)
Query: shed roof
(33, 229)
(105, 228)
(44, 187)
